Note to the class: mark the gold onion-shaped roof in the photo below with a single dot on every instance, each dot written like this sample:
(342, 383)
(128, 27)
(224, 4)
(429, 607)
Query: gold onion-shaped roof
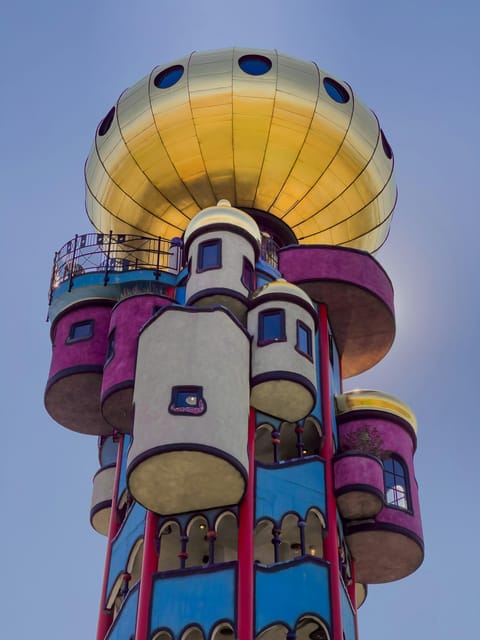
(258, 128)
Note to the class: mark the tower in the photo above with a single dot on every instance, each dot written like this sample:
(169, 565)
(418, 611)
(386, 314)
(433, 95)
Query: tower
(204, 332)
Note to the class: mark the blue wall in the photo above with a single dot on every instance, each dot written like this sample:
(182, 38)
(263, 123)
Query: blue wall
(283, 593)
(201, 596)
(289, 486)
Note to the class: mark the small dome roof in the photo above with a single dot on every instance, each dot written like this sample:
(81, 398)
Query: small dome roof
(223, 214)
(279, 288)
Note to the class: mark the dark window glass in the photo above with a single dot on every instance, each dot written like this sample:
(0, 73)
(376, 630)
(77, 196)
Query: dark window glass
(271, 326)
(396, 483)
(187, 400)
(209, 255)
(330, 348)
(247, 275)
(168, 77)
(335, 90)
(255, 65)
(386, 147)
(110, 347)
(106, 122)
(304, 339)
(80, 331)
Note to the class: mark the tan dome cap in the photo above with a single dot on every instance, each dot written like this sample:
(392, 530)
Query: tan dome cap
(364, 399)
(223, 214)
(279, 288)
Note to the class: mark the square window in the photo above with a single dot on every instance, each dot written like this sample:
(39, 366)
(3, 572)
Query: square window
(304, 339)
(209, 255)
(80, 331)
(248, 279)
(187, 401)
(271, 326)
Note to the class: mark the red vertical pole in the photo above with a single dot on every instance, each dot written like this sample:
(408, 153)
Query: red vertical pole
(331, 543)
(104, 616)
(353, 595)
(149, 567)
(245, 543)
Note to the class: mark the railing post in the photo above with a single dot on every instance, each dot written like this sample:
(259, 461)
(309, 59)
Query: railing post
(52, 279)
(105, 280)
(72, 263)
(157, 271)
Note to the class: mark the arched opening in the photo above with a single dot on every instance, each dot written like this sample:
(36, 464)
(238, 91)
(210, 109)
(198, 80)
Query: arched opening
(134, 563)
(170, 546)
(276, 632)
(223, 631)
(314, 531)
(226, 543)
(288, 442)
(311, 628)
(264, 550)
(198, 548)
(162, 635)
(264, 447)
(290, 546)
(116, 598)
(193, 633)
(312, 437)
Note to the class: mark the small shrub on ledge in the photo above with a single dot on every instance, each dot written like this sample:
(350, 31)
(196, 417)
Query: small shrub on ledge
(364, 440)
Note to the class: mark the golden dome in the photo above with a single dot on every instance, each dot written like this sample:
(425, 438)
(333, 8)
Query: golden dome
(224, 213)
(258, 128)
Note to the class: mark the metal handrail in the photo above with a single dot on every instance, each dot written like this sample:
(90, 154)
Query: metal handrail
(107, 253)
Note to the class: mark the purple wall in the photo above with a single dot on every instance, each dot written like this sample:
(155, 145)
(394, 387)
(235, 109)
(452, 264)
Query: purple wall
(127, 318)
(318, 262)
(397, 440)
(89, 352)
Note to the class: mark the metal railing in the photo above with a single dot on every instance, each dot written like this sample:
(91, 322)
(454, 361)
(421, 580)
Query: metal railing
(106, 253)
(269, 251)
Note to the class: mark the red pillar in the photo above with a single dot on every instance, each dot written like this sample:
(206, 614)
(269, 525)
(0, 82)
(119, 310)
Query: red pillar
(104, 616)
(245, 543)
(331, 543)
(352, 594)
(149, 567)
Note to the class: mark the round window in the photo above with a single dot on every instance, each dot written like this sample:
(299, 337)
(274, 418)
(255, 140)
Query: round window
(106, 122)
(168, 77)
(335, 90)
(386, 147)
(255, 65)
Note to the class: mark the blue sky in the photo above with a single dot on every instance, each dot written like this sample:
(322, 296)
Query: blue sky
(415, 64)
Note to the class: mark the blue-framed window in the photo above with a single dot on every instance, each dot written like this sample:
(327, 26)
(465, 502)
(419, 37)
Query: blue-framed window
(248, 279)
(396, 483)
(80, 331)
(304, 339)
(209, 255)
(187, 400)
(271, 326)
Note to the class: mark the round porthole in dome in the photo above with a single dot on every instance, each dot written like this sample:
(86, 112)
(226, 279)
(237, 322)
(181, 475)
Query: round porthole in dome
(335, 90)
(106, 122)
(255, 65)
(168, 77)
(386, 146)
